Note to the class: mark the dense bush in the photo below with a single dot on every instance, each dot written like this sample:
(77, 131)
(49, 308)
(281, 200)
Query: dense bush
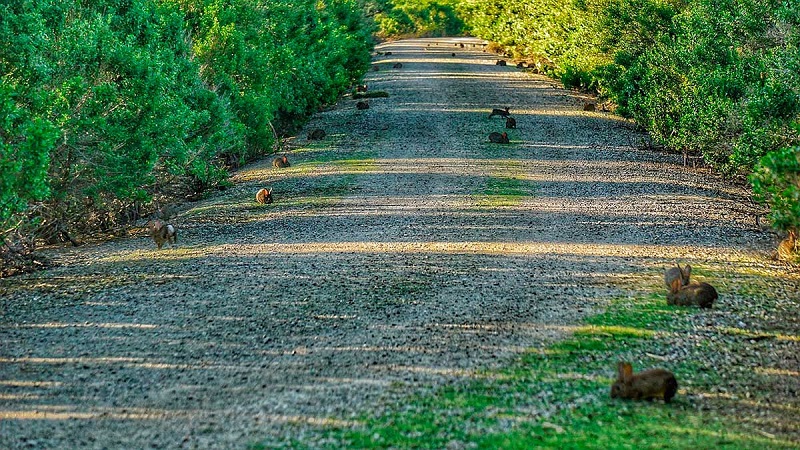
(776, 181)
(395, 18)
(130, 112)
(278, 64)
(25, 142)
(548, 32)
(107, 106)
(718, 82)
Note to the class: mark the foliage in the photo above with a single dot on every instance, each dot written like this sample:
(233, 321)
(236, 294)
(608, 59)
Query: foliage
(117, 82)
(546, 32)
(110, 105)
(776, 181)
(395, 18)
(24, 157)
(278, 63)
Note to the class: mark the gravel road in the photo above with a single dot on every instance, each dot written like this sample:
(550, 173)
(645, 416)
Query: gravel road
(403, 251)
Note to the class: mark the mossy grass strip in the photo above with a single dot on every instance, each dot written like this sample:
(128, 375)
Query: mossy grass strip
(558, 397)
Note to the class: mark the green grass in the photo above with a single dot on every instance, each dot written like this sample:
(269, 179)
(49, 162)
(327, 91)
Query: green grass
(503, 190)
(558, 397)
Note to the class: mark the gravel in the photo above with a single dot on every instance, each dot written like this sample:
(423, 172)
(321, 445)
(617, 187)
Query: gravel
(385, 265)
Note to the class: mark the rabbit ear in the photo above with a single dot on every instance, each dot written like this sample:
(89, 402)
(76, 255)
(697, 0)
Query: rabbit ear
(621, 370)
(687, 270)
(675, 286)
(625, 371)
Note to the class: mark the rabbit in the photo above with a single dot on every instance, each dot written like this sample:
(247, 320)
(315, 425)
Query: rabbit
(163, 232)
(699, 294)
(264, 196)
(398, 66)
(511, 122)
(499, 112)
(316, 134)
(500, 62)
(498, 138)
(787, 248)
(647, 385)
(674, 273)
(281, 161)
(591, 107)
(362, 105)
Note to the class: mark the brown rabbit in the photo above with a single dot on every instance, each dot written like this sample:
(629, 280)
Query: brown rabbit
(498, 138)
(647, 385)
(499, 112)
(787, 248)
(362, 105)
(699, 294)
(264, 196)
(163, 232)
(511, 122)
(316, 134)
(675, 273)
(589, 107)
(281, 161)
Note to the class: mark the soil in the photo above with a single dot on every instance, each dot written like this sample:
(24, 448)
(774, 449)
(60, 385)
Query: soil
(403, 251)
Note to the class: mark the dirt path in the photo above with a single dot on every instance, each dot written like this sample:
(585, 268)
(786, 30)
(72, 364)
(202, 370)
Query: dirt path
(403, 251)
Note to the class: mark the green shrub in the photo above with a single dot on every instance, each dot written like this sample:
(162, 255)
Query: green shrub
(776, 182)
(110, 105)
(25, 143)
(417, 18)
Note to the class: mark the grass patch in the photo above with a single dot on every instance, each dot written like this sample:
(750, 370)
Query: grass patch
(356, 164)
(503, 191)
(333, 161)
(558, 397)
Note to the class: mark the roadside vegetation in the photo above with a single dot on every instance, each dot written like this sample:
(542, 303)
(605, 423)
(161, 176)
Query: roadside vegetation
(110, 110)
